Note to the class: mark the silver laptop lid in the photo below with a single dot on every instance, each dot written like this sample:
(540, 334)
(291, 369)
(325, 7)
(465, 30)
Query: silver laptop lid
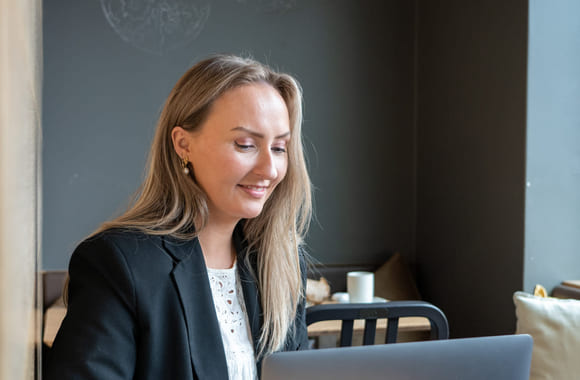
(499, 358)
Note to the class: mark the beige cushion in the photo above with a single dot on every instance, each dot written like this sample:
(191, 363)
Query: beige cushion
(555, 326)
(394, 281)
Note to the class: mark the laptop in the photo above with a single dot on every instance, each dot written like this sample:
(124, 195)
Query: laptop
(498, 357)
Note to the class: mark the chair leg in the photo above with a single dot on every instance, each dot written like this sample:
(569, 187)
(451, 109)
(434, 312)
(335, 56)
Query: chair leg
(370, 331)
(346, 334)
(392, 330)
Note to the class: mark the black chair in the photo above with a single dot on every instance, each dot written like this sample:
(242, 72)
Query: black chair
(370, 312)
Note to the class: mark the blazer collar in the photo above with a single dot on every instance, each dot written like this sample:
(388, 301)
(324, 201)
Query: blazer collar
(191, 281)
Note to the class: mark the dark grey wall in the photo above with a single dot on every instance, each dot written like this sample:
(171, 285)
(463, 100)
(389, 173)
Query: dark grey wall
(471, 160)
(355, 61)
(553, 165)
(415, 124)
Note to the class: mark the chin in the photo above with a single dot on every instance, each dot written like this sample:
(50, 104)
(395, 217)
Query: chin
(251, 214)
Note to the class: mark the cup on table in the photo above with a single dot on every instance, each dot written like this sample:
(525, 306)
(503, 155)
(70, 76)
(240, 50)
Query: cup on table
(360, 286)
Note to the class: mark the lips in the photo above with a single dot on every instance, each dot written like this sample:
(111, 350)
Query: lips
(254, 191)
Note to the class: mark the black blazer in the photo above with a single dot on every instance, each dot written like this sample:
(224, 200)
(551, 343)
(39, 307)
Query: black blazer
(140, 307)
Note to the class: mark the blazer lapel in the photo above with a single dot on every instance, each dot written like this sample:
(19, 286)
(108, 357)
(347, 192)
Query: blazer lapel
(191, 280)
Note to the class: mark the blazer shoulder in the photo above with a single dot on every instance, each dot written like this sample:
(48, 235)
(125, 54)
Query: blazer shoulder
(135, 251)
(123, 241)
(119, 236)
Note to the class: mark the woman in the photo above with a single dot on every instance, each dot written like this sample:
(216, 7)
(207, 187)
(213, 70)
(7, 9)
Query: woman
(202, 276)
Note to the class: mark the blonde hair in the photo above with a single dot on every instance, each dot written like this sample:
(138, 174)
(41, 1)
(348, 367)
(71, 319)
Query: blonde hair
(171, 203)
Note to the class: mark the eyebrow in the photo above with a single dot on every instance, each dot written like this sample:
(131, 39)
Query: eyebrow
(259, 135)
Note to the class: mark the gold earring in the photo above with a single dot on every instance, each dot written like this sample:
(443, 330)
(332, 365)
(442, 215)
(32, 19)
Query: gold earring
(184, 162)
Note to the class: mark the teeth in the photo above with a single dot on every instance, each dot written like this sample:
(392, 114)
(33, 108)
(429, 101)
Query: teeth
(255, 187)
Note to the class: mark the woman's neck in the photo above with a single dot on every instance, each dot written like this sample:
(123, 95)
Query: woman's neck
(217, 245)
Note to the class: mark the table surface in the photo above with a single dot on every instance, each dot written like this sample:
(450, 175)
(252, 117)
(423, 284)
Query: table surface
(572, 283)
(52, 319)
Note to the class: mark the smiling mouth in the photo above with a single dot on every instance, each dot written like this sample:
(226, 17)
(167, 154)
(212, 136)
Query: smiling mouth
(257, 188)
(257, 192)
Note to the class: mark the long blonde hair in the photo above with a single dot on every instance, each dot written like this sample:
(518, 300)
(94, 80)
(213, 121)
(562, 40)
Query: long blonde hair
(171, 203)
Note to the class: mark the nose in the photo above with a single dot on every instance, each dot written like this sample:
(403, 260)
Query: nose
(266, 166)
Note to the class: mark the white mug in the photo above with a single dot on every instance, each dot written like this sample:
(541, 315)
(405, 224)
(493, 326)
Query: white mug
(360, 286)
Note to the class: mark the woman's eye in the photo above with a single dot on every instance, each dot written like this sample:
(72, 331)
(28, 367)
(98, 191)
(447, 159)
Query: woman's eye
(278, 149)
(243, 146)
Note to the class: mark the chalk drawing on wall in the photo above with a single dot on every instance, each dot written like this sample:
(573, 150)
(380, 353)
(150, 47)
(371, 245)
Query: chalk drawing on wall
(157, 26)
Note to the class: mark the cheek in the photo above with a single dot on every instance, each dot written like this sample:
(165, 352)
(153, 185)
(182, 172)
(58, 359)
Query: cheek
(231, 169)
(213, 169)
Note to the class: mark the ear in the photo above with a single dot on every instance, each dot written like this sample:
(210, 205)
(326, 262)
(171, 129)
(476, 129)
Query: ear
(181, 141)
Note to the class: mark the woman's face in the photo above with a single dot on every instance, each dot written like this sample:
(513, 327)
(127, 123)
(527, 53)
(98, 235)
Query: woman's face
(239, 155)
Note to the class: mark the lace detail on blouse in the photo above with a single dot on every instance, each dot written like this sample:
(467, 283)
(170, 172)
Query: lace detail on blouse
(230, 309)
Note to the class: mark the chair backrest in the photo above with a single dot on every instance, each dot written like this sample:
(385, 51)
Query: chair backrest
(370, 312)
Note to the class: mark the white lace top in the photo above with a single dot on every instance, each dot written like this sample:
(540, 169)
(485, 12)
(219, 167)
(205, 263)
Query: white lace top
(230, 309)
